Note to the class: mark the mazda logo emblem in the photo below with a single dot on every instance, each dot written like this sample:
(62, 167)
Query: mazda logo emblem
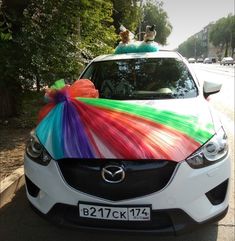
(113, 173)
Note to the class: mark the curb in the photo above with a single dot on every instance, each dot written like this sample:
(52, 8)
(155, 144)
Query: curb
(10, 185)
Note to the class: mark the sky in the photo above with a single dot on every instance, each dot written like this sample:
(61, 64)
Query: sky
(190, 16)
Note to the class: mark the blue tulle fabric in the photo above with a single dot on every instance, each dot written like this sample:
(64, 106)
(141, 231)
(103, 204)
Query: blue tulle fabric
(148, 47)
(136, 47)
(51, 126)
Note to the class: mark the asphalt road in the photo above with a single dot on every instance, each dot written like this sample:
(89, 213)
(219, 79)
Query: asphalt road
(19, 223)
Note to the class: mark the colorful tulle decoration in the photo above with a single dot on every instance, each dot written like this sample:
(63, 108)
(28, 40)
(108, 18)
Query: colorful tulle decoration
(136, 47)
(148, 47)
(126, 48)
(77, 124)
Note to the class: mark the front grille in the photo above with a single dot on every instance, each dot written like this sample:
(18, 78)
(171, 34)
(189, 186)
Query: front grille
(141, 177)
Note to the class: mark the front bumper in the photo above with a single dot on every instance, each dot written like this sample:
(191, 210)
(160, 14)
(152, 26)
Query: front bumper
(181, 205)
(164, 222)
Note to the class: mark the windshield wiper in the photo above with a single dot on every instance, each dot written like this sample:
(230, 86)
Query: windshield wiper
(142, 97)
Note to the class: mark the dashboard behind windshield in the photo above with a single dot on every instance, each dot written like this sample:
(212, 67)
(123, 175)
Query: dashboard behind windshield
(142, 78)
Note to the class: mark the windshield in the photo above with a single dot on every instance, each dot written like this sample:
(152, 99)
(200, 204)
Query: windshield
(142, 78)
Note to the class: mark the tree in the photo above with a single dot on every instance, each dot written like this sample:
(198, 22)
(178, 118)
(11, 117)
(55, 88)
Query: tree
(10, 52)
(41, 41)
(153, 13)
(187, 48)
(127, 13)
(222, 33)
(96, 24)
(192, 47)
(50, 41)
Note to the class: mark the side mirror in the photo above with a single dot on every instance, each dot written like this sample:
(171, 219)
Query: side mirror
(210, 88)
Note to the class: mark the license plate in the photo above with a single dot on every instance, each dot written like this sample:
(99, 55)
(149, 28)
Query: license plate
(142, 213)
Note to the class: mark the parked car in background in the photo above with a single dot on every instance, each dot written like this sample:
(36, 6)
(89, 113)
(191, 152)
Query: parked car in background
(213, 59)
(200, 60)
(227, 60)
(192, 60)
(207, 61)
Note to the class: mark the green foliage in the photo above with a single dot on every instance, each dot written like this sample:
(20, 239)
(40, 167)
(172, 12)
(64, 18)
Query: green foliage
(5, 36)
(193, 47)
(187, 48)
(10, 52)
(96, 26)
(32, 102)
(6, 65)
(41, 41)
(5, 27)
(27, 117)
(153, 13)
(50, 41)
(223, 33)
(126, 13)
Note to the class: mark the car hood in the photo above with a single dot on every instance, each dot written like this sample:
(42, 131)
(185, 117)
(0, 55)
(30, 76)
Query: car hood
(198, 108)
(126, 130)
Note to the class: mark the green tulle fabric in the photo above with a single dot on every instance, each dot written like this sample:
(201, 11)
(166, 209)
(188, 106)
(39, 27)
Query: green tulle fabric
(194, 126)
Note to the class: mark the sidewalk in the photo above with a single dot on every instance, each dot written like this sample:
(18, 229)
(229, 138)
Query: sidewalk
(10, 185)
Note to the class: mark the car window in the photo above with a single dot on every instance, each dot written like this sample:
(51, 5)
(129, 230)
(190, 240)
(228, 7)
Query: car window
(142, 78)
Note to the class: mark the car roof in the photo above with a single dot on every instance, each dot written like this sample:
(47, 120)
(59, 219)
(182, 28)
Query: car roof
(158, 54)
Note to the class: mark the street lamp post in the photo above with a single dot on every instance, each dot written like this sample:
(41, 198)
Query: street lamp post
(195, 48)
(140, 5)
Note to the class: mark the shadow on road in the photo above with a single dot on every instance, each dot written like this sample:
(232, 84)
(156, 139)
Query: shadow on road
(19, 222)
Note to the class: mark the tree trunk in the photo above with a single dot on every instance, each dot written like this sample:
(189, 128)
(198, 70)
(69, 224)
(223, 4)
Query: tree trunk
(226, 50)
(38, 84)
(8, 104)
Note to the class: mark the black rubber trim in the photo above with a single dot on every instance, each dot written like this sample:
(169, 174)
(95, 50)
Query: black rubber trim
(33, 190)
(217, 195)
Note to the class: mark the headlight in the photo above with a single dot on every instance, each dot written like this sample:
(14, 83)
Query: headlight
(211, 152)
(37, 152)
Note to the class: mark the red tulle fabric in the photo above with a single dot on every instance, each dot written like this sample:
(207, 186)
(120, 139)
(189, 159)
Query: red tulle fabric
(152, 139)
(45, 110)
(80, 88)
(83, 88)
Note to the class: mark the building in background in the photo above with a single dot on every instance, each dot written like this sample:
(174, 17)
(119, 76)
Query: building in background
(199, 46)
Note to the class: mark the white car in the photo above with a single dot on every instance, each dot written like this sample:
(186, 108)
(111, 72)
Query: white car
(192, 60)
(175, 177)
(207, 61)
(227, 60)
